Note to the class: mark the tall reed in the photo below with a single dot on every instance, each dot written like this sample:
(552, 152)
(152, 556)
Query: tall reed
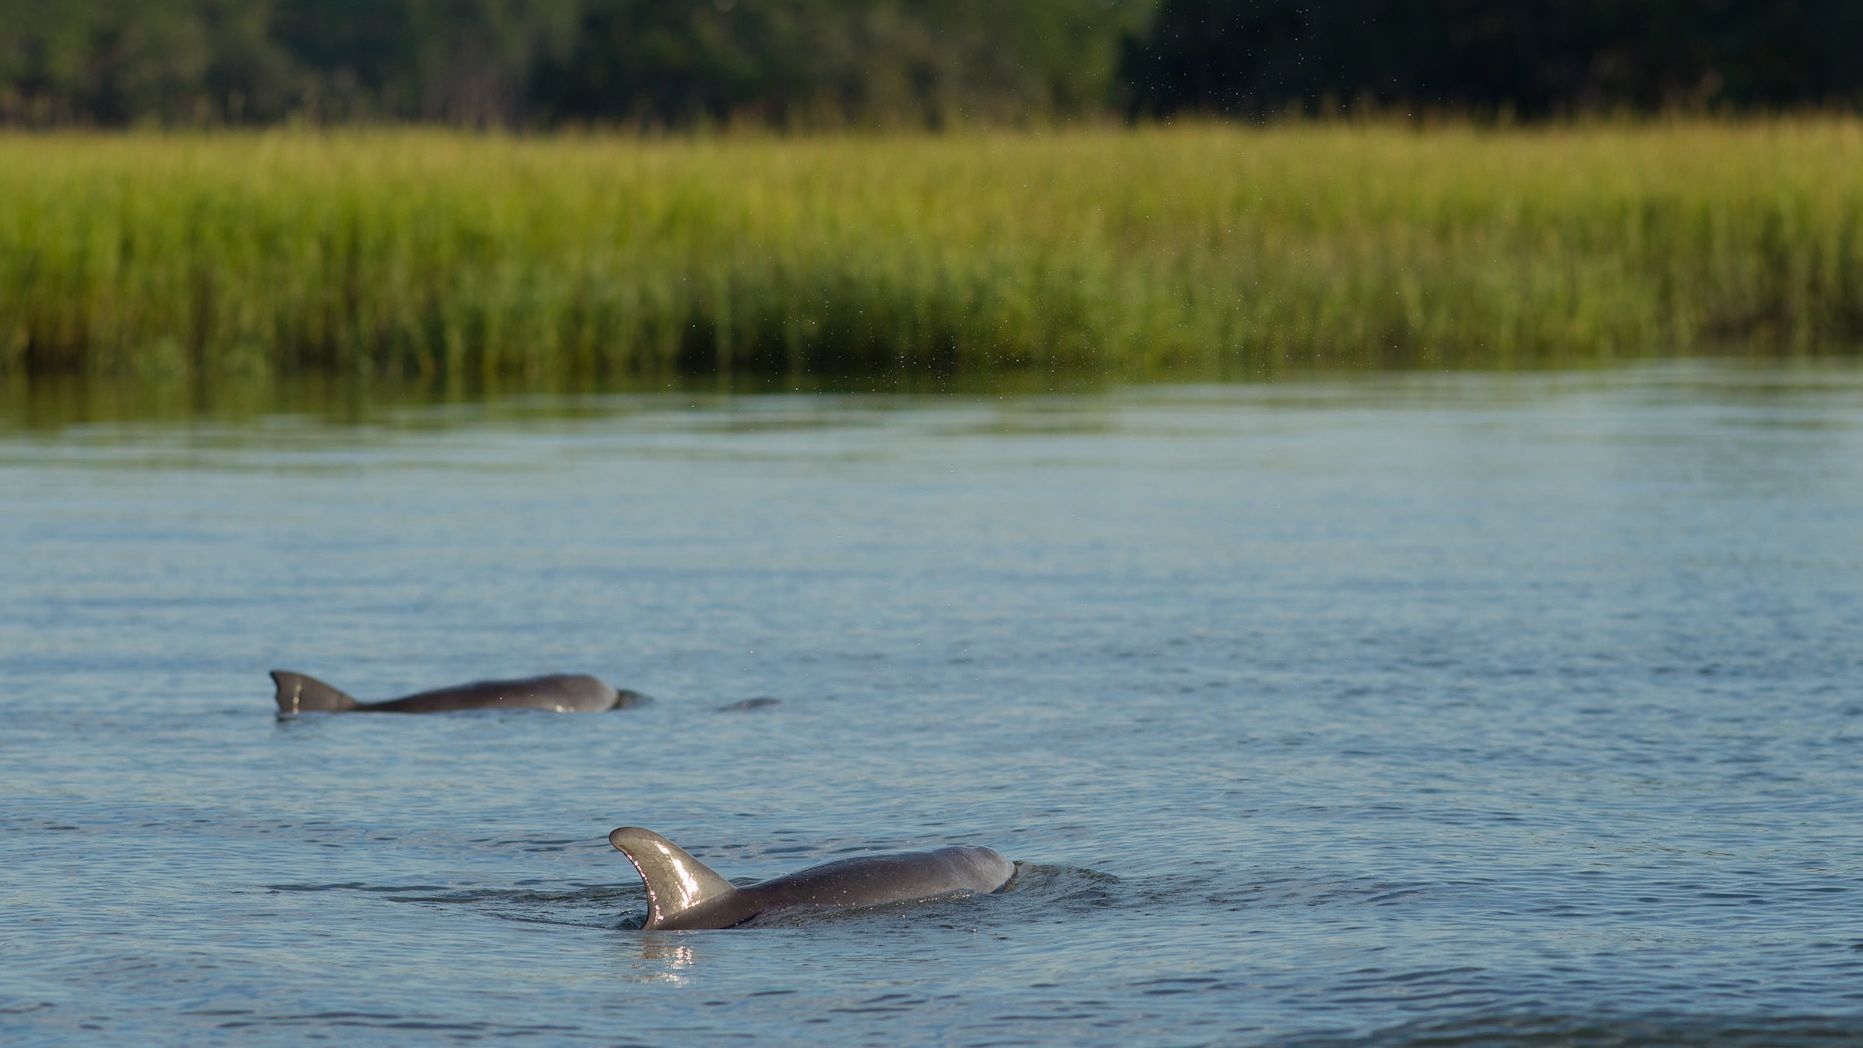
(430, 253)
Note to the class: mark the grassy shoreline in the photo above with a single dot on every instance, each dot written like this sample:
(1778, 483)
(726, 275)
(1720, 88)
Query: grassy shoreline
(425, 253)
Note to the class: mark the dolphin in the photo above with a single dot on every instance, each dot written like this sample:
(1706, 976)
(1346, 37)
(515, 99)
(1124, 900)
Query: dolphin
(761, 702)
(683, 893)
(561, 692)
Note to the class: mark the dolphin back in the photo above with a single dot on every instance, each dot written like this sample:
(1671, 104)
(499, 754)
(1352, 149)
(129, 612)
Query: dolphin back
(298, 693)
(561, 692)
(682, 892)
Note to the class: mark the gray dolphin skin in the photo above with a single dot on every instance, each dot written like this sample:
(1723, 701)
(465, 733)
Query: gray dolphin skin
(761, 702)
(684, 894)
(561, 692)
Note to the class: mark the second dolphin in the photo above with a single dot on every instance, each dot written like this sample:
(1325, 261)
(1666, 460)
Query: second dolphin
(560, 692)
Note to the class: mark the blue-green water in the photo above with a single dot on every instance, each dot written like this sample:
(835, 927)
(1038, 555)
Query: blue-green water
(1426, 709)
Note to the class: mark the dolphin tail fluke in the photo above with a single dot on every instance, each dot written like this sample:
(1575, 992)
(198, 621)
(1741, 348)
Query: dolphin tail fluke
(298, 693)
(677, 883)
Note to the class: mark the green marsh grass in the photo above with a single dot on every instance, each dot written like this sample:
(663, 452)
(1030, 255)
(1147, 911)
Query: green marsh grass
(1244, 250)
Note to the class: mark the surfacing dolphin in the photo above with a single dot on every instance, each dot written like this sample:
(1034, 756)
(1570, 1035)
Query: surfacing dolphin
(683, 893)
(561, 692)
(761, 702)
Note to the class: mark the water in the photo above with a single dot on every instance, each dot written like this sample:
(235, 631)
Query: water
(1393, 709)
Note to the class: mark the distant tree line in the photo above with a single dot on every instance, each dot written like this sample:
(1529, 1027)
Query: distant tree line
(543, 62)
(1527, 58)
(804, 63)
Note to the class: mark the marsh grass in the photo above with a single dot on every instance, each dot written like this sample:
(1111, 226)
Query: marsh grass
(424, 253)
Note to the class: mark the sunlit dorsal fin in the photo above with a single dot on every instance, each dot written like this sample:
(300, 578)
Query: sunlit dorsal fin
(299, 693)
(676, 882)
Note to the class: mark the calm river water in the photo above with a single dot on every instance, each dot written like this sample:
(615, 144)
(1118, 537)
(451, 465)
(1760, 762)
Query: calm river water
(1429, 709)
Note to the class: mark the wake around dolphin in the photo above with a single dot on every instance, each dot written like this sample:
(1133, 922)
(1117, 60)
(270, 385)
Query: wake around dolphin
(561, 692)
(683, 893)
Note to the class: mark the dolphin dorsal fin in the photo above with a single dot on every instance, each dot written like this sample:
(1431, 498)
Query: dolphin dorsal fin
(298, 693)
(676, 882)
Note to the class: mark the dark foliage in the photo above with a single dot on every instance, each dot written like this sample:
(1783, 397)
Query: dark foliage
(529, 62)
(1528, 58)
(802, 63)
